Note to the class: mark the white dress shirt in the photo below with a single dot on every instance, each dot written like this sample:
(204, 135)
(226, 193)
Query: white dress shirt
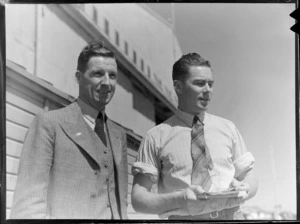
(165, 153)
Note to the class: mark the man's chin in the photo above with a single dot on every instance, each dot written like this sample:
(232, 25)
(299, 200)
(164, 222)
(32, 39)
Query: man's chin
(201, 109)
(204, 106)
(99, 104)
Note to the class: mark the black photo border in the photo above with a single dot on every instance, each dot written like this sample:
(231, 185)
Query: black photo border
(3, 103)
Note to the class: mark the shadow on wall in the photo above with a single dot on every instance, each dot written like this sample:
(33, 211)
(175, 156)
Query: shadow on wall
(143, 103)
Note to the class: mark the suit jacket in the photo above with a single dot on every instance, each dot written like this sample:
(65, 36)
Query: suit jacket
(59, 165)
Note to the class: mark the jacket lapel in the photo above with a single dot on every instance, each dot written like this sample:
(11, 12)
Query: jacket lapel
(115, 140)
(78, 131)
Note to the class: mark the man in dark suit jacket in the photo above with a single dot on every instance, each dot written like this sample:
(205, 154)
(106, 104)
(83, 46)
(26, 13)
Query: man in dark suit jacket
(74, 160)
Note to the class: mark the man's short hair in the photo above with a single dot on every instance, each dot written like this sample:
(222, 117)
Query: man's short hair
(181, 67)
(93, 48)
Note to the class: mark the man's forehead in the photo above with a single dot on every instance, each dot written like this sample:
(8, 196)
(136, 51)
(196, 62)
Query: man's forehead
(200, 72)
(102, 59)
(201, 68)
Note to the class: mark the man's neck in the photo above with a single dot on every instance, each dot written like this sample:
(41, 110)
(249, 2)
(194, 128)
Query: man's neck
(89, 110)
(91, 105)
(199, 114)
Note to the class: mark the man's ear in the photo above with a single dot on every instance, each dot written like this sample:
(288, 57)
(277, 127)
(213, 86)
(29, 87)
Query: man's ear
(177, 86)
(78, 75)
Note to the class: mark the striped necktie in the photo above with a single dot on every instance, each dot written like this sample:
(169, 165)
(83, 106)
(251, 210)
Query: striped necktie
(99, 128)
(201, 157)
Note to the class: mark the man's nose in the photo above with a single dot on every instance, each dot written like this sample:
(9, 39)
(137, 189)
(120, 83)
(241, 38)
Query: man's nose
(105, 79)
(207, 88)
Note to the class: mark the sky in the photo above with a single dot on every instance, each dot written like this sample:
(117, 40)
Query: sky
(252, 52)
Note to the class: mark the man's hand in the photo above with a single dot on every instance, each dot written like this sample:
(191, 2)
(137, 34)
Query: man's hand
(239, 185)
(192, 205)
(191, 192)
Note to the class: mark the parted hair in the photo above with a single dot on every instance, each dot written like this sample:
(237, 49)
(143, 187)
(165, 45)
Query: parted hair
(93, 48)
(181, 67)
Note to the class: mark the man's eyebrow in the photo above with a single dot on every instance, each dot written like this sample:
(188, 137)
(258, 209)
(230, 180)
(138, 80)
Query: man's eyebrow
(201, 80)
(103, 70)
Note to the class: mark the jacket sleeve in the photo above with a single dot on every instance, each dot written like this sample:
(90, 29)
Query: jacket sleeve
(30, 196)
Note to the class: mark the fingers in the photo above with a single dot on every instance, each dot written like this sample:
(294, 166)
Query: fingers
(243, 187)
(234, 183)
(189, 194)
(198, 191)
(192, 205)
(239, 185)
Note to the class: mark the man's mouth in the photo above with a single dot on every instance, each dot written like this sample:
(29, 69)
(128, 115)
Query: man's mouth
(103, 92)
(205, 99)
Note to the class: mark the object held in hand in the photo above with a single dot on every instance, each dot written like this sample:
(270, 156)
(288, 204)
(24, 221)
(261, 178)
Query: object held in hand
(223, 194)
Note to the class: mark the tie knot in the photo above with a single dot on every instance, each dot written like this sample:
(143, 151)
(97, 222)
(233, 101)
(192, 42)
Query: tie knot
(197, 120)
(100, 116)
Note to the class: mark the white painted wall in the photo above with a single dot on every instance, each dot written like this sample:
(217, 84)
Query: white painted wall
(20, 32)
(58, 47)
(147, 34)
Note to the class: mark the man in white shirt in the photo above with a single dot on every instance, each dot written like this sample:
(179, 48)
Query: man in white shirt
(165, 155)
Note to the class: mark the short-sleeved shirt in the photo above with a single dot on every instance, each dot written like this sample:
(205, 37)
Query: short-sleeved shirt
(165, 153)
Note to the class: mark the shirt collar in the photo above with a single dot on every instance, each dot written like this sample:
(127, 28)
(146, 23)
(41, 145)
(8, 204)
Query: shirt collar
(88, 111)
(187, 117)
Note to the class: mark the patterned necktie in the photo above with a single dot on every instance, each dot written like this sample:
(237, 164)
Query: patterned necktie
(99, 128)
(201, 157)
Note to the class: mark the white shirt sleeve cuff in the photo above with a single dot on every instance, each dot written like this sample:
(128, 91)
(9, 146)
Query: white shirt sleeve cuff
(146, 169)
(243, 164)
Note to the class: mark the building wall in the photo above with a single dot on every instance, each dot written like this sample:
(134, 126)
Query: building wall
(57, 48)
(20, 109)
(20, 35)
(130, 108)
(151, 38)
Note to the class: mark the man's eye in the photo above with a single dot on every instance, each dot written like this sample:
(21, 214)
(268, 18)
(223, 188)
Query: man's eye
(113, 76)
(97, 74)
(201, 84)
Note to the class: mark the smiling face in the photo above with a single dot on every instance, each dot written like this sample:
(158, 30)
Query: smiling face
(195, 90)
(98, 82)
